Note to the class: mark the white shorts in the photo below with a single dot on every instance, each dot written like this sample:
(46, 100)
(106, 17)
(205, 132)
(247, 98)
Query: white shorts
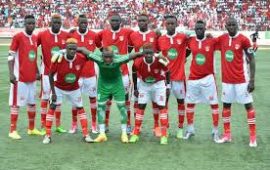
(178, 89)
(236, 93)
(73, 96)
(88, 86)
(203, 90)
(155, 92)
(22, 94)
(45, 87)
(126, 83)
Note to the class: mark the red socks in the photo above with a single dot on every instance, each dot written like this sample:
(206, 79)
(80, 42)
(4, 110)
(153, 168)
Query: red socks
(138, 121)
(74, 116)
(164, 122)
(58, 116)
(43, 109)
(31, 111)
(14, 111)
(93, 107)
(181, 115)
(215, 115)
(155, 114)
(251, 121)
(190, 113)
(107, 113)
(49, 121)
(226, 116)
(83, 119)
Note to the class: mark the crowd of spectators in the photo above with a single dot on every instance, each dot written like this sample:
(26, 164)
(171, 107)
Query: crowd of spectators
(249, 13)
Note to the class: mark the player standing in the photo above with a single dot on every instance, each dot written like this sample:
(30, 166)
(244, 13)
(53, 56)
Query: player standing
(173, 46)
(23, 73)
(88, 39)
(238, 77)
(118, 39)
(110, 85)
(51, 41)
(201, 85)
(137, 40)
(152, 86)
(67, 73)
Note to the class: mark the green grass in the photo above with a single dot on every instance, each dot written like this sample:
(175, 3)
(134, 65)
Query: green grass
(69, 152)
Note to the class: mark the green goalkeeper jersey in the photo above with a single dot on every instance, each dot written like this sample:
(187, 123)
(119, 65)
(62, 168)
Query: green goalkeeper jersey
(109, 73)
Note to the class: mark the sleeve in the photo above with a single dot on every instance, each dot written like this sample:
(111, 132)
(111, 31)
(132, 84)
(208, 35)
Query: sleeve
(120, 58)
(14, 44)
(246, 43)
(95, 56)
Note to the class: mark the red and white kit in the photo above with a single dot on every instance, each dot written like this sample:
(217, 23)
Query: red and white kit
(201, 85)
(87, 81)
(50, 43)
(174, 48)
(152, 86)
(235, 73)
(24, 50)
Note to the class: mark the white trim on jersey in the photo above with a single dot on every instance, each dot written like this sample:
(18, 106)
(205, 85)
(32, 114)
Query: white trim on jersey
(144, 34)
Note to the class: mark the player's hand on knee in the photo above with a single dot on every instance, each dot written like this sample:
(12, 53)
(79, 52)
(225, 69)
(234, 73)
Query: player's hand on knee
(251, 86)
(12, 78)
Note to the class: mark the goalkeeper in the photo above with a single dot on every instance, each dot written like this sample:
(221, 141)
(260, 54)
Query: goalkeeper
(110, 84)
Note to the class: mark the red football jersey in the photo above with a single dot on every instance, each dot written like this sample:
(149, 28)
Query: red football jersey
(118, 40)
(174, 48)
(50, 42)
(202, 63)
(68, 72)
(90, 41)
(25, 49)
(138, 39)
(233, 58)
(150, 73)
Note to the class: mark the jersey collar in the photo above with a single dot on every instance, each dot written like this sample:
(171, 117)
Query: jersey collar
(143, 33)
(82, 34)
(230, 38)
(235, 35)
(171, 37)
(114, 33)
(29, 36)
(50, 29)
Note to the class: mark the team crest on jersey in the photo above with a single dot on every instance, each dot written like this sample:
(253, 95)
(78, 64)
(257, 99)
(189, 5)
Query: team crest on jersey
(156, 71)
(207, 48)
(237, 46)
(121, 38)
(151, 39)
(91, 42)
(179, 41)
(77, 67)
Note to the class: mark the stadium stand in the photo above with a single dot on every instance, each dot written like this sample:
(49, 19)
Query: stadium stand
(249, 13)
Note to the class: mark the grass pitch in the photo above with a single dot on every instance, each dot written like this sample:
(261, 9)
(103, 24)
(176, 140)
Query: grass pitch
(200, 153)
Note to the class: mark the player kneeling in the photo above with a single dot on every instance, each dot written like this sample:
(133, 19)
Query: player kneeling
(154, 77)
(67, 71)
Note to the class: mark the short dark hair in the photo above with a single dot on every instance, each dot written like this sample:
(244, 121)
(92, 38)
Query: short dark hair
(29, 17)
(169, 16)
(82, 16)
(200, 22)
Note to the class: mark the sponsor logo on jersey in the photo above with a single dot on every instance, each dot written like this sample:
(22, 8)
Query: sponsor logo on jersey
(151, 39)
(172, 53)
(200, 59)
(32, 55)
(207, 48)
(115, 49)
(121, 38)
(229, 55)
(70, 78)
(91, 42)
(150, 79)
